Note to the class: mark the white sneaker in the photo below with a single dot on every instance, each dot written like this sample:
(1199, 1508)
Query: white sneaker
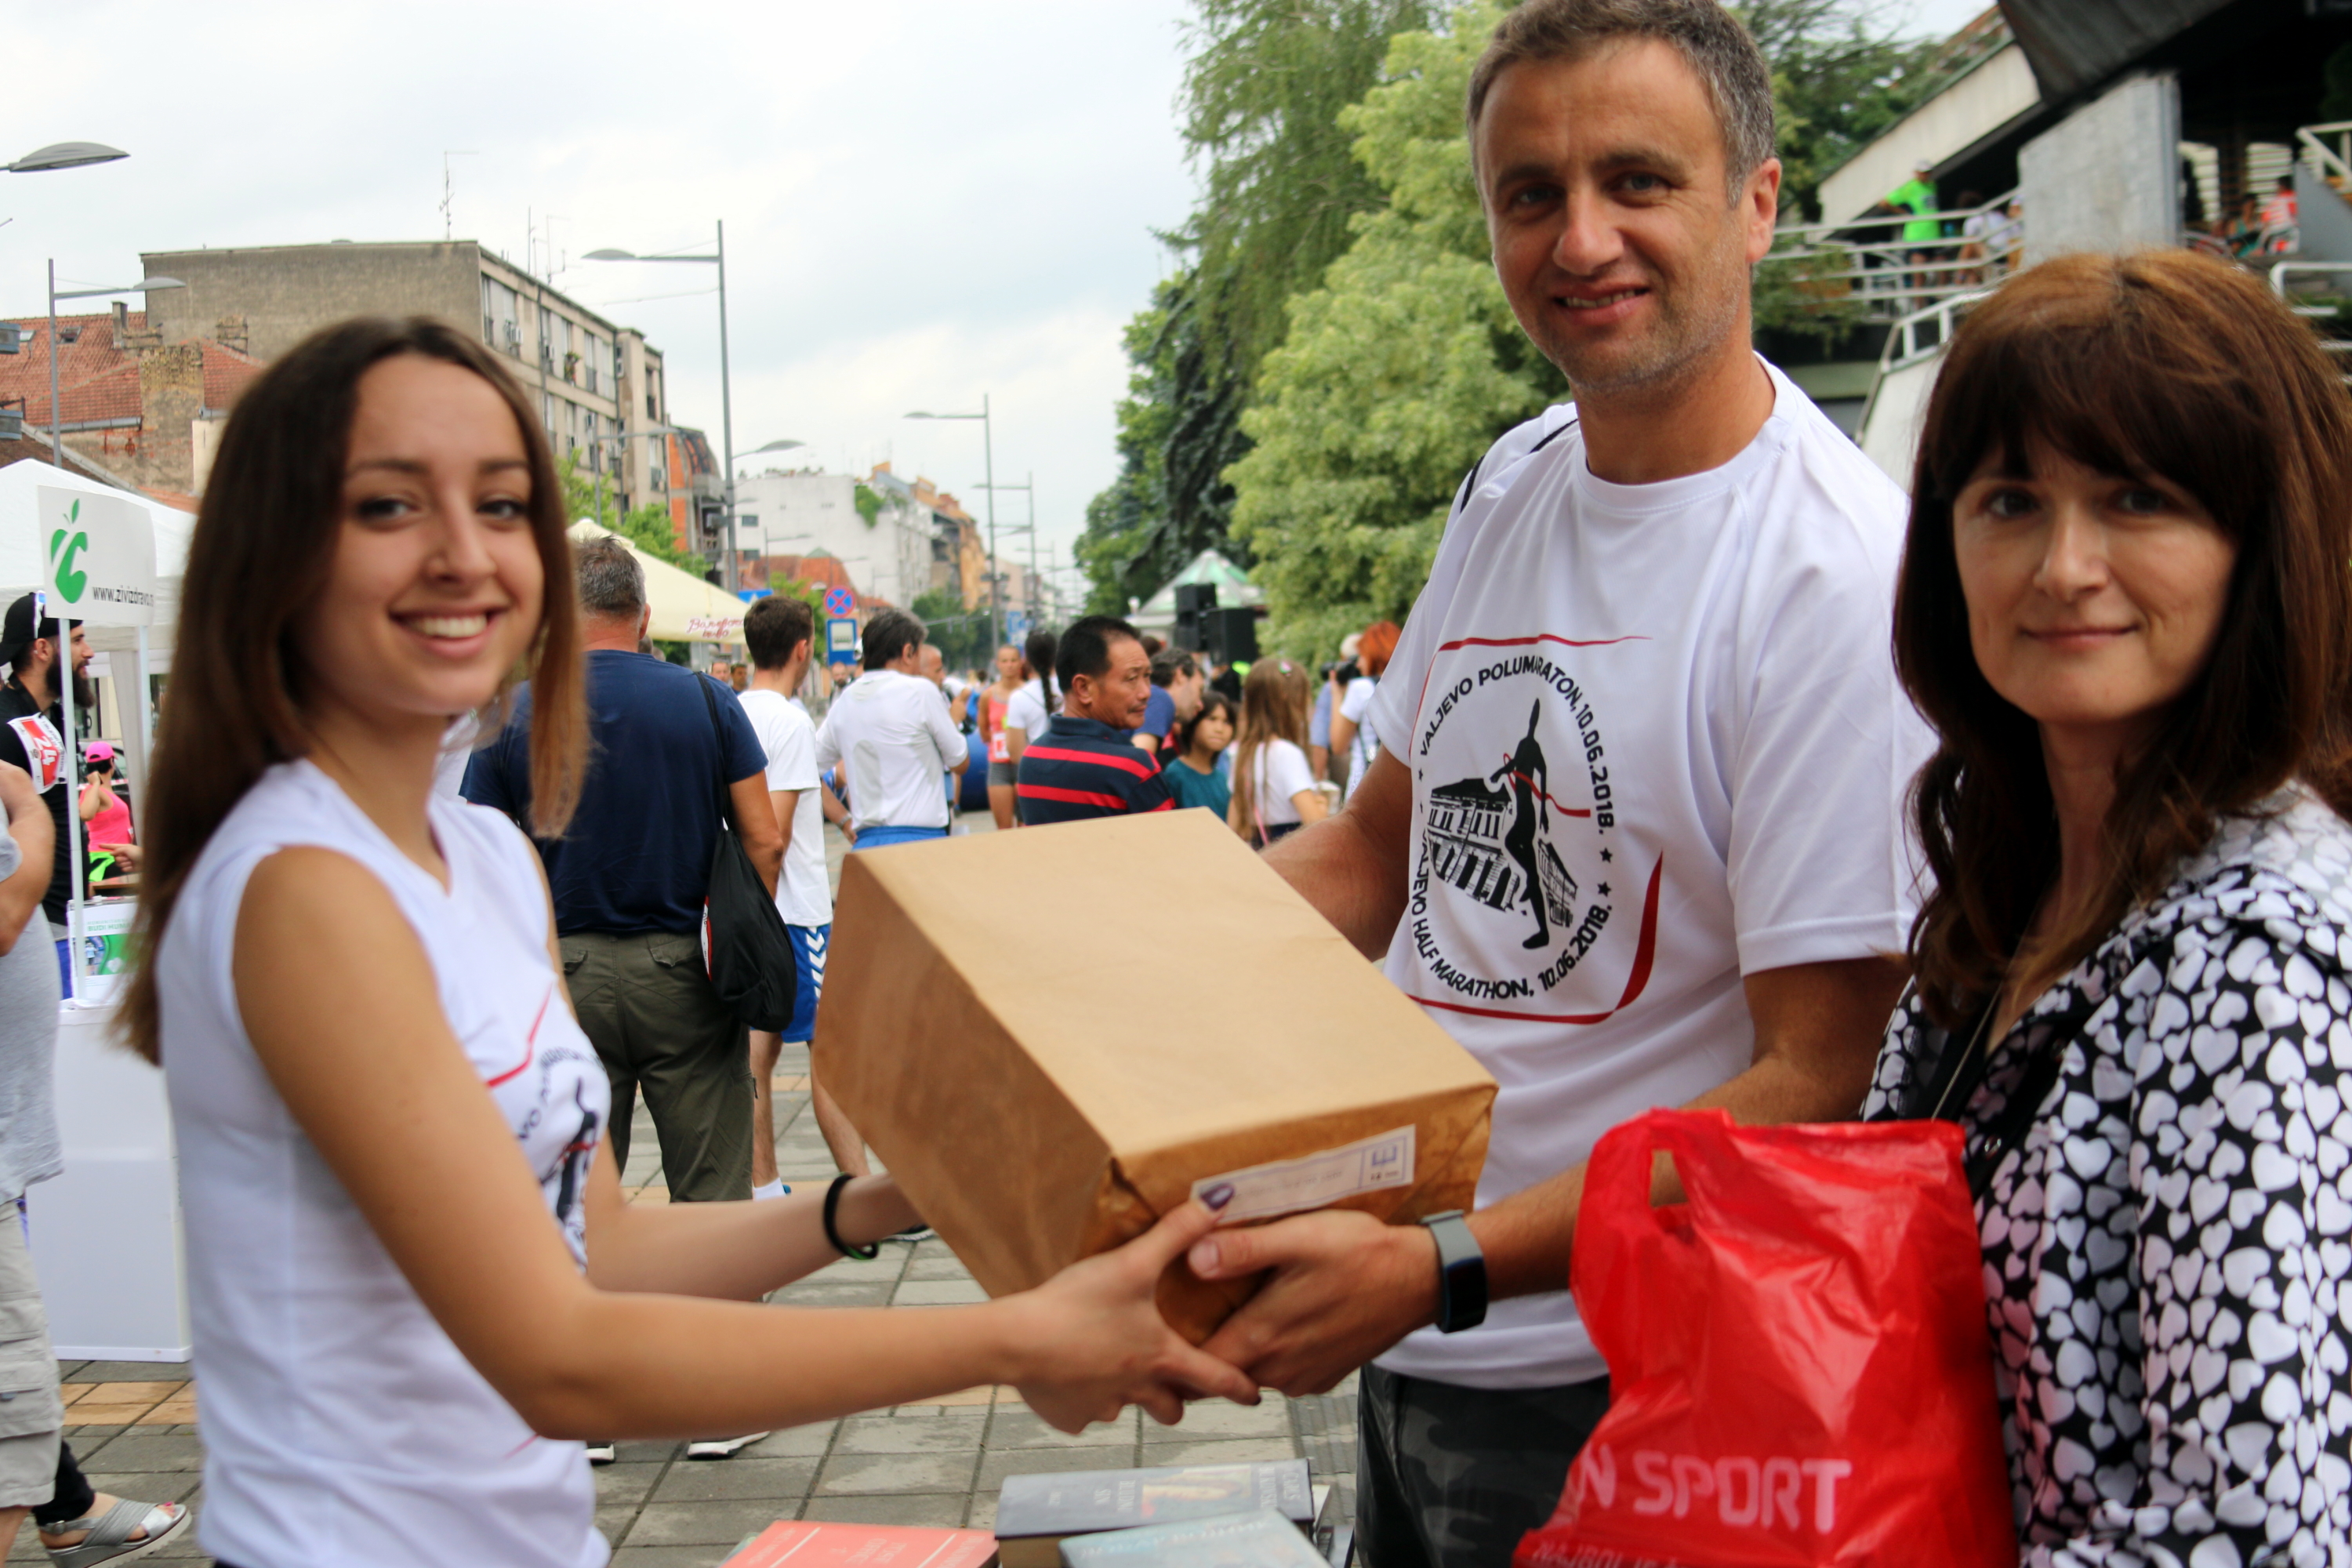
(720, 1448)
(600, 1452)
(775, 1189)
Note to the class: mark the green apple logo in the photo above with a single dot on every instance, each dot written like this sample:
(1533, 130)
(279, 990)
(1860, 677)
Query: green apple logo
(63, 545)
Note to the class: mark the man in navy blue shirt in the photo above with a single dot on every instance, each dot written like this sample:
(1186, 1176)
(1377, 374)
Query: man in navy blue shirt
(630, 875)
(1084, 765)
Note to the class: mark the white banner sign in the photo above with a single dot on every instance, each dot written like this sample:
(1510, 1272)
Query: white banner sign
(98, 558)
(714, 628)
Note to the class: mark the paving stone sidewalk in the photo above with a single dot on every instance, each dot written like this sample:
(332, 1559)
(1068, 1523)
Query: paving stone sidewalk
(134, 1426)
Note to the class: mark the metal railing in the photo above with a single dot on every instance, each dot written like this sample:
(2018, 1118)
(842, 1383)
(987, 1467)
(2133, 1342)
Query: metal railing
(1921, 335)
(2280, 274)
(1865, 265)
(2329, 158)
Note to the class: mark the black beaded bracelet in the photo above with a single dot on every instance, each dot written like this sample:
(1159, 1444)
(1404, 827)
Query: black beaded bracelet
(833, 1203)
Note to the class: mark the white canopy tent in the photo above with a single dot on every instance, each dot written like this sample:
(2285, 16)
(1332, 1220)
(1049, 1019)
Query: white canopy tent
(685, 608)
(20, 544)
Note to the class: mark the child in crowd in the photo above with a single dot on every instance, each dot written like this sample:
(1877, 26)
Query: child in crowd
(1194, 777)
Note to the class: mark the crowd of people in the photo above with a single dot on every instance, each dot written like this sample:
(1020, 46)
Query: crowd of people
(1637, 803)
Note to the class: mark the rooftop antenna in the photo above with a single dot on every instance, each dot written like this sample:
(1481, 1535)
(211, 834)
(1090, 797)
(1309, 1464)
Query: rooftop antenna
(448, 190)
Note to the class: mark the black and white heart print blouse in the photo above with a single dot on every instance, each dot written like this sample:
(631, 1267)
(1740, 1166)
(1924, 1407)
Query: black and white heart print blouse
(2167, 1245)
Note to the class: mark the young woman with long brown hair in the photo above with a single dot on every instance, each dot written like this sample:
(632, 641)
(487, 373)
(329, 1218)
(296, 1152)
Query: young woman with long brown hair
(2126, 608)
(409, 1269)
(1274, 786)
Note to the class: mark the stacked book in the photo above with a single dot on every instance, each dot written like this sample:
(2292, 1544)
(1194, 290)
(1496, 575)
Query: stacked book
(1191, 1516)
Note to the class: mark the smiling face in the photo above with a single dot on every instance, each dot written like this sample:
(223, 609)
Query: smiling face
(1616, 231)
(437, 586)
(2093, 600)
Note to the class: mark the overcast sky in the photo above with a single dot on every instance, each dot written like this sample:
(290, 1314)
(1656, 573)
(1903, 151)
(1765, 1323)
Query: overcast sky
(925, 200)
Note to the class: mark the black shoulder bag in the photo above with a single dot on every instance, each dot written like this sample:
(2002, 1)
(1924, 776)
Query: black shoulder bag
(745, 947)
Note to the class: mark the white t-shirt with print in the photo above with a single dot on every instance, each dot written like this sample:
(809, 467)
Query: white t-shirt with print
(1278, 772)
(1357, 708)
(893, 732)
(788, 737)
(1657, 743)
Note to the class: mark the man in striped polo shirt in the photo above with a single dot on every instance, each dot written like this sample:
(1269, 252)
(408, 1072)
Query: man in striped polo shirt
(1084, 765)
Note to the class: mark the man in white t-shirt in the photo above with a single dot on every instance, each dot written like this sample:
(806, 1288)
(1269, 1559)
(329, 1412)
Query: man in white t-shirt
(779, 631)
(890, 731)
(1635, 837)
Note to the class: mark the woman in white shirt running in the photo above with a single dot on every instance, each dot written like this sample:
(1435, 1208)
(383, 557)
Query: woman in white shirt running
(411, 1274)
(1275, 792)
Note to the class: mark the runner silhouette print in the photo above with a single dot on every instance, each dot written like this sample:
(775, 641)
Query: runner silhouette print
(1548, 881)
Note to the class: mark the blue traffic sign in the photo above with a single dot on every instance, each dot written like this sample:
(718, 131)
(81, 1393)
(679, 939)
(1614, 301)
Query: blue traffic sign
(840, 601)
(840, 634)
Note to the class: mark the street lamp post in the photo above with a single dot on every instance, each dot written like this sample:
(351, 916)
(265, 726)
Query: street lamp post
(988, 457)
(726, 385)
(57, 423)
(1028, 488)
(65, 155)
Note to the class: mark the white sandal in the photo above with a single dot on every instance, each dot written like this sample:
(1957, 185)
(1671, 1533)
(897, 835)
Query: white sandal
(108, 1540)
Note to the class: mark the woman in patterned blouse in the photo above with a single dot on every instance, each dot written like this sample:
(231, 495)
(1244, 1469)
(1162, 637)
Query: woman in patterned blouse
(2124, 606)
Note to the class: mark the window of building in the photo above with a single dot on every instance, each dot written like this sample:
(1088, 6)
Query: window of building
(595, 353)
(595, 447)
(501, 324)
(547, 360)
(547, 413)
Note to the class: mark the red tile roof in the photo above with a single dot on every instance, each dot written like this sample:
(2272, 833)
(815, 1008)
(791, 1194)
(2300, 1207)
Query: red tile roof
(97, 381)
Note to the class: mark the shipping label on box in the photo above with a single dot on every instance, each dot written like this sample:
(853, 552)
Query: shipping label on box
(1055, 1036)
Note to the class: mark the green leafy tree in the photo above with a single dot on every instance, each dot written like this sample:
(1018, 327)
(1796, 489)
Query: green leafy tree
(1399, 371)
(1262, 94)
(959, 635)
(1839, 80)
(649, 527)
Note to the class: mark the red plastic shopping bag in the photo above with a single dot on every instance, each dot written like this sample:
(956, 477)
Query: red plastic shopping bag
(1799, 1372)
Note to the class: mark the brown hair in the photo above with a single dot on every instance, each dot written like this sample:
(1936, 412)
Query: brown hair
(1274, 708)
(1710, 40)
(2160, 365)
(264, 544)
(1376, 648)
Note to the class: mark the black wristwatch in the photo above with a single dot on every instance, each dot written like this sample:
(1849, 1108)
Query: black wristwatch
(1461, 1273)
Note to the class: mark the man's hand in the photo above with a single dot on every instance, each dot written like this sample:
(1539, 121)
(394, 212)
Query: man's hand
(1095, 1341)
(1345, 1287)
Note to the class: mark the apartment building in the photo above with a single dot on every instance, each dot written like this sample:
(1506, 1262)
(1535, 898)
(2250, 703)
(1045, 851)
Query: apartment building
(598, 385)
(896, 541)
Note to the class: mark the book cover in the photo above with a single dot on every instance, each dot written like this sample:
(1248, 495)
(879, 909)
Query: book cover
(815, 1544)
(1033, 1512)
(1260, 1540)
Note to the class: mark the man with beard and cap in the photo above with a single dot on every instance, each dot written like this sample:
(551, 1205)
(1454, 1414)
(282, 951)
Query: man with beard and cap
(1635, 837)
(32, 736)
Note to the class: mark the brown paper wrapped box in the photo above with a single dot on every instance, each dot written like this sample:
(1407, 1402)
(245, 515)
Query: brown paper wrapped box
(1051, 1036)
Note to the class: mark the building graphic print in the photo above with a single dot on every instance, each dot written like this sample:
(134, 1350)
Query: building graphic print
(1469, 824)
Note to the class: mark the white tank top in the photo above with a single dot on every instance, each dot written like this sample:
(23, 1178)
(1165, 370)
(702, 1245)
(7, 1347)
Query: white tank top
(342, 1427)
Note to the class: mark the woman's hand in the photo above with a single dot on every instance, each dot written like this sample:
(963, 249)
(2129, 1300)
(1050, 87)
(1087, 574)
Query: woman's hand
(1091, 1340)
